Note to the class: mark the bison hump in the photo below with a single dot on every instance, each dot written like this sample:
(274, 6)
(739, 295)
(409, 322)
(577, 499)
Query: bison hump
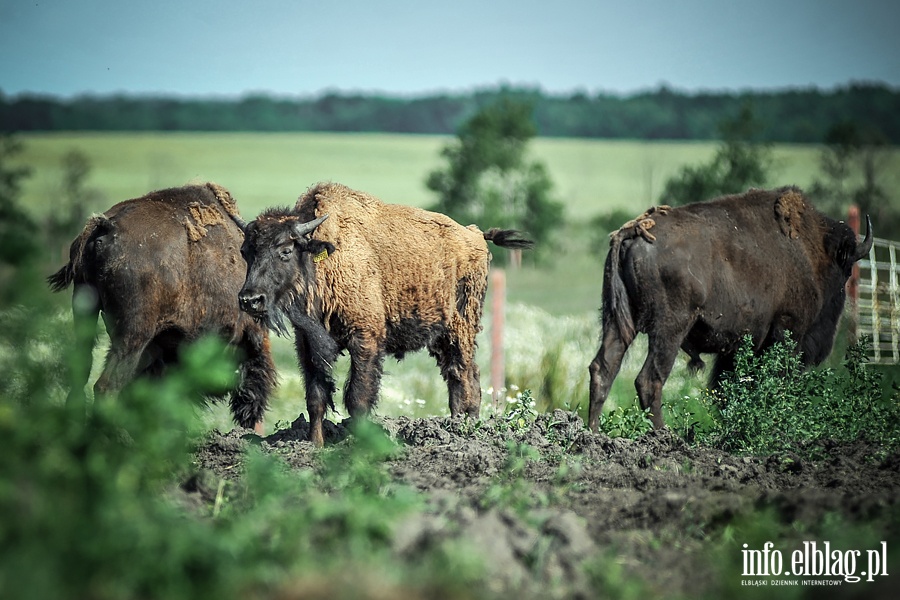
(641, 225)
(789, 209)
(200, 216)
(224, 198)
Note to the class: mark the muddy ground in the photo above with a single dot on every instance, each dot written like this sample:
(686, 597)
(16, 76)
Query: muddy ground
(654, 510)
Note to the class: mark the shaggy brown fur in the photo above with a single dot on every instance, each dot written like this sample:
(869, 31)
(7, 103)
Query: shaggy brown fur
(640, 226)
(758, 263)
(381, 279)
(360, 280)
(164, 269)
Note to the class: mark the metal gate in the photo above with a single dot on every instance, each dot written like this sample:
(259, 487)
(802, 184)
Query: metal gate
(878, 303)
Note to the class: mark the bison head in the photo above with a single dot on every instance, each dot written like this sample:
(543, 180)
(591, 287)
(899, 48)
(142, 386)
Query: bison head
(841, 245)
(280, 256)
(844, 251)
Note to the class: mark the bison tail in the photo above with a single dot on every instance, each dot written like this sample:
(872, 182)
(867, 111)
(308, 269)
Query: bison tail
(95, 227)
(62, 278)
(616, 303)
(508, 238)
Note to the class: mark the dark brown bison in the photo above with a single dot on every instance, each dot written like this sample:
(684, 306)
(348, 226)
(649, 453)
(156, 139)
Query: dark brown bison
(165, 269)
(702, 276)
(376, 279)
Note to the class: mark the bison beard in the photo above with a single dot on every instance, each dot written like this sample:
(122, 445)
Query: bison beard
(700, 277)
(164, 270)
(352, 273)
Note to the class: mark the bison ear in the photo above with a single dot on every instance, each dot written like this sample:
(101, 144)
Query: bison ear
(319, 249)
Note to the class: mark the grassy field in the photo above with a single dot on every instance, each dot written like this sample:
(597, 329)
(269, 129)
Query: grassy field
(590, 176)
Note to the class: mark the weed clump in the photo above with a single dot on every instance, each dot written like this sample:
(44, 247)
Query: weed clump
(628, 421)
(771, 404)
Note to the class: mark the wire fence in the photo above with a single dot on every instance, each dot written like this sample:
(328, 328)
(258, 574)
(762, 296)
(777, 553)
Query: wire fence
(878, 303)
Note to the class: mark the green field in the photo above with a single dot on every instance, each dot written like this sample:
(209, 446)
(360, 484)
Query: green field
(590, 176)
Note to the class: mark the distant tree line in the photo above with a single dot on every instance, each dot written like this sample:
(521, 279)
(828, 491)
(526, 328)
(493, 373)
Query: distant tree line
(801, 115)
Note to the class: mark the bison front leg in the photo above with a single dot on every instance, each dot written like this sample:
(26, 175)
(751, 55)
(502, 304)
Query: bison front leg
(316, 362)
(603, 370)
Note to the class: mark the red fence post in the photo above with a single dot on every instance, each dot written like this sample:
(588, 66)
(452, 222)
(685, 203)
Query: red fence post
(498, 316)
(853, 282)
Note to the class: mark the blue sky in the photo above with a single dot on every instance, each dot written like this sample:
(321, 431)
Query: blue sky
(302, 48)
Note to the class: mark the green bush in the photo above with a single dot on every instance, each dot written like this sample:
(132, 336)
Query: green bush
(82, 500)
(94, 508)
(770, 404)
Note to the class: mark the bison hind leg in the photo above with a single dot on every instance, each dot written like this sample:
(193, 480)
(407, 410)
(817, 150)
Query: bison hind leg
(461, 373)
(661, 354)
(603, 370)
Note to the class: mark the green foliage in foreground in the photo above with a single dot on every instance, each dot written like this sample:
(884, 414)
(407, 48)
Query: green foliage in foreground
(92, 507)
(81, 499)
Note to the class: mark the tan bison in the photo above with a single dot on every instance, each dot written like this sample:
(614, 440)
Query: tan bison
(352, 273)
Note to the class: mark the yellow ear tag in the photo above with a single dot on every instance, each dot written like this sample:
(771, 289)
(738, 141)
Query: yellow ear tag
(320, 256)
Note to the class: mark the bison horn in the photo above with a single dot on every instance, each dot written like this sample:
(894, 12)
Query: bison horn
(242, 224)
(302, 229)
(862, 249)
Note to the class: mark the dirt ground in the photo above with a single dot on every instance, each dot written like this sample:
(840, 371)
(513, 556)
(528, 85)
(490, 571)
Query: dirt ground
(655, 510)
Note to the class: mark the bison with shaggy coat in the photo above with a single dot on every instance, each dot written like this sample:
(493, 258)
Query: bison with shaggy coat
(376, 279)
(702, 276)
(165, 269)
